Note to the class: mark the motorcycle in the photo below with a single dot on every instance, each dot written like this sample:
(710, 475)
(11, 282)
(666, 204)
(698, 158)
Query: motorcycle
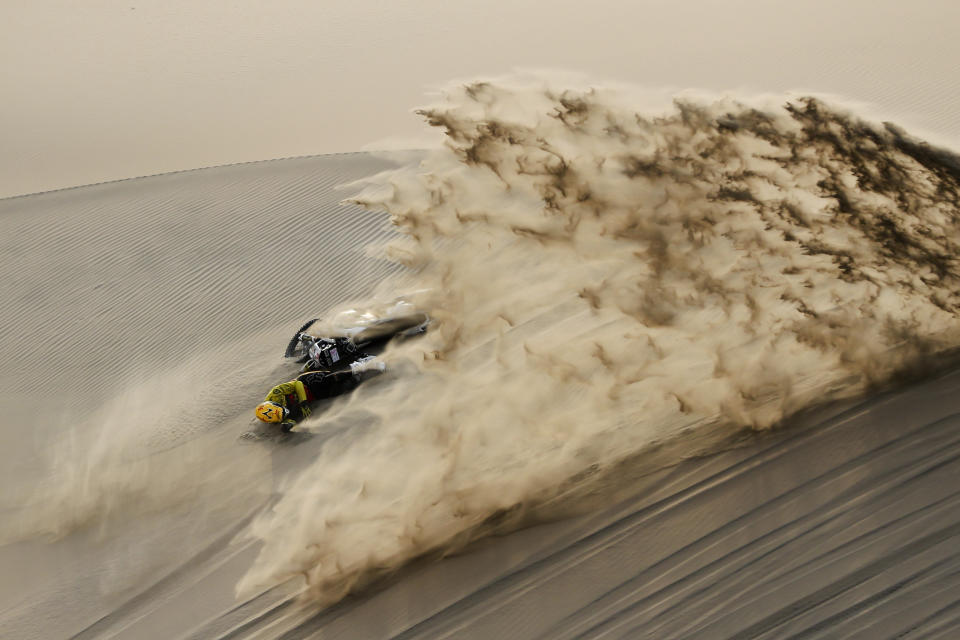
(351, 336)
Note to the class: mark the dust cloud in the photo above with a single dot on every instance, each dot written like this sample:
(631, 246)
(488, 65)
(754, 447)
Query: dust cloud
(603, 278)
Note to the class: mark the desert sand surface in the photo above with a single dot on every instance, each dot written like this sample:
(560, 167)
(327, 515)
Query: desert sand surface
(689, 375)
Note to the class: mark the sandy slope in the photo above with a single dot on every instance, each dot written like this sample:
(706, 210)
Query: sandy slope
(136, 300)
(137, 308)
(844, 526)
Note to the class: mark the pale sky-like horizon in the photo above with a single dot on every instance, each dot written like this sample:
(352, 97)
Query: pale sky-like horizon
(105, 90)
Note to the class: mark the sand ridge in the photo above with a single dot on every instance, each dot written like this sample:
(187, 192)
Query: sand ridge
(846, 520)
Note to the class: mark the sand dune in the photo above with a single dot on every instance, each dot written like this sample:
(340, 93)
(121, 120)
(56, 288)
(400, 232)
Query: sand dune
(151, 314)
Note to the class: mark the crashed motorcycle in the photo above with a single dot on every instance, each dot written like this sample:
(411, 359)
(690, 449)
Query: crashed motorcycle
(337, 356)
(341, 347)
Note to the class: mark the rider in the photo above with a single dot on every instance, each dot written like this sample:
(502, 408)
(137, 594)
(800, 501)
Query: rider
(288, 403)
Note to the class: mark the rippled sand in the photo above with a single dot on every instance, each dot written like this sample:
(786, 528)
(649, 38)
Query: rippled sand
(146, 314)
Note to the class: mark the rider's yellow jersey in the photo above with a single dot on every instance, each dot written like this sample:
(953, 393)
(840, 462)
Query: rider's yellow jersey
(281, 393)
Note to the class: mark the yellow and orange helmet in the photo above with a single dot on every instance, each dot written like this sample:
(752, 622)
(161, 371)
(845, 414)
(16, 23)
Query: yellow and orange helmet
(269, 412)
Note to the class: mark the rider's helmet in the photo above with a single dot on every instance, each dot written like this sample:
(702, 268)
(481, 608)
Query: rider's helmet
(270, 412)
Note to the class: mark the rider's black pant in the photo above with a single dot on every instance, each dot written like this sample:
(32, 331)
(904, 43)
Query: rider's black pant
(326, 384)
